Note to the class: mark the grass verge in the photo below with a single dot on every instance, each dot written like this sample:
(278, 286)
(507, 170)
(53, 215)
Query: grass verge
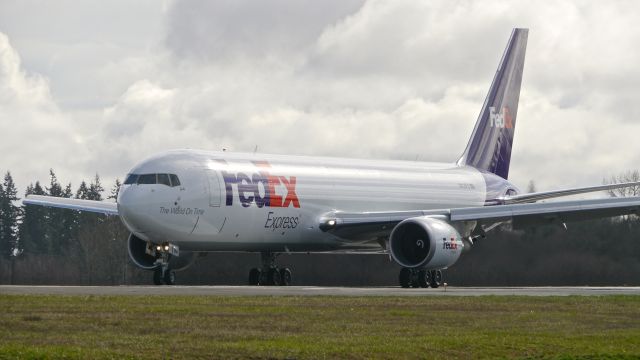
(319, 327)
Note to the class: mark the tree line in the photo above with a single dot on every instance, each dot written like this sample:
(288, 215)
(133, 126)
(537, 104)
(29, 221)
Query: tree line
(41, 245)
(41, 230)
(47, 243)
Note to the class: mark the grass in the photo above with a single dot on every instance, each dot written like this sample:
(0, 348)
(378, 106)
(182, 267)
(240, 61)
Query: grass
(44, 327)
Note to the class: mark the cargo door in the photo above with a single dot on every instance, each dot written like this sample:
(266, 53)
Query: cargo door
(215, 193)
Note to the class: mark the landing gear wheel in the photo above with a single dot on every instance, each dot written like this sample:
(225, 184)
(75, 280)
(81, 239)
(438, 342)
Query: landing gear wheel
(254, 276)
(170, 277)
(157, 276)
(436, 278)
(274, 277)
(414, 279)
(423, 278)
(405, 277)
(285, 277)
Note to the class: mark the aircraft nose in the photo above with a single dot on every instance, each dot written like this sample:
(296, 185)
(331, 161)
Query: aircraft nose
(131, 208)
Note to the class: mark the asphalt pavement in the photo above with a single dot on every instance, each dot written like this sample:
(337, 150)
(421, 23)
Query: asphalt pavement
(312, 291)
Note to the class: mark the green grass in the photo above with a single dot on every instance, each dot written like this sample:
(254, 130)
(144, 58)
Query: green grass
(43, 327)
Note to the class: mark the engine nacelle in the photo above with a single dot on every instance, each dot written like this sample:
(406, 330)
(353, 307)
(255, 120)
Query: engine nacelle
(138, 254)
(425, 242)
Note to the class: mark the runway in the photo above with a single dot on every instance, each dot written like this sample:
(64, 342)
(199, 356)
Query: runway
(312, 291)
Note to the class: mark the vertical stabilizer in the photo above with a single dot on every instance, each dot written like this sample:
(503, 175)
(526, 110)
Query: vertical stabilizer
(489, 148)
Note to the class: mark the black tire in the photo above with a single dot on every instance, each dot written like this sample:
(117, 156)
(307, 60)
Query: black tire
(285, 277)
(405, 277)
(170, 277)
(157, 276)
(415, 283)
(274, 277)
(423, 278)
(436, 278)
(254, 276)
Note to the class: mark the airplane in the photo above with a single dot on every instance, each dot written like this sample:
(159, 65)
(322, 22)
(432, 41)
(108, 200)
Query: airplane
(180, 203)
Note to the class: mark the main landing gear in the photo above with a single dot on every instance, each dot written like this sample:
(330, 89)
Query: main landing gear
(269, 274)
(420, 278)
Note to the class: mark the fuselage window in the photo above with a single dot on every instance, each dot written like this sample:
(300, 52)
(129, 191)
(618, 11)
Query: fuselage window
(163, 179)
(174, 180)
(147, 179)
(131, 179)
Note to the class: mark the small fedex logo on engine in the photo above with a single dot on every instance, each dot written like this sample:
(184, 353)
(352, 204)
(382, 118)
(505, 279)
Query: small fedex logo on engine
(502, 120)
(261, 188)
(449, 245)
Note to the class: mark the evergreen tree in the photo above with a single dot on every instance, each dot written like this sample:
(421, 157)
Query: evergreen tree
(91, 235)
(115, 190)
(3, 244)
(60, 222)
(9, 216)
(83, 191)
(32, 230)
(95, 189)
(70, 225)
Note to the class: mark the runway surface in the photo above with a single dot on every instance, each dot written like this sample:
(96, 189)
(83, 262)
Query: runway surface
(312, 291)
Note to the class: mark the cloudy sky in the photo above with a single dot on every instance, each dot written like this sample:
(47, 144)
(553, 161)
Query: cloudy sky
(95, 86)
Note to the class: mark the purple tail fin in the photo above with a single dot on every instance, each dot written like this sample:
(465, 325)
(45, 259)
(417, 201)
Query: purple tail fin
(489, 148)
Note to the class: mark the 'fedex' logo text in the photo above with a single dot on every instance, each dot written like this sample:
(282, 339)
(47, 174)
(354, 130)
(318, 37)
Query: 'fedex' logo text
(502, 119)
(261, 188)
(453, 245)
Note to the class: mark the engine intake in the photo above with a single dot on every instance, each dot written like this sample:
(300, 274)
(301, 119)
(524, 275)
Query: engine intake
(425, 242)
(138, 253)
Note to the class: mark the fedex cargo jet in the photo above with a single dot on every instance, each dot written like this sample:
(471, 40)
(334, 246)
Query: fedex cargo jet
(424, 215)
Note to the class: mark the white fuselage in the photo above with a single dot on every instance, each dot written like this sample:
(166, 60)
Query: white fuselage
(257, 202)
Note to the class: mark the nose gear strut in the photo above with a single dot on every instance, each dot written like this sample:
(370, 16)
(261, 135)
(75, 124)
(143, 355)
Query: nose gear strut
(163, 274)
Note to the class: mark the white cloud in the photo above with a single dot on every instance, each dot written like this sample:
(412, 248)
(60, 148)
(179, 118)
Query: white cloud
(376, 79)
(34, 130)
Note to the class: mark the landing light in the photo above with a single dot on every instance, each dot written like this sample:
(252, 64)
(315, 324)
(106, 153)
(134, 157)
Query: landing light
(159, 248)
(166, 248)
(328, 225)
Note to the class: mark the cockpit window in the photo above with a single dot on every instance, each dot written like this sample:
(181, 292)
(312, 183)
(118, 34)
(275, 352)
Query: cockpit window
(131, 179)
(163, 179)
(147, 179)
(174, 180)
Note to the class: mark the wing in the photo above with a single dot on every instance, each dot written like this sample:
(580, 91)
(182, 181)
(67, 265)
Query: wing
(102, 207)
(368, 226)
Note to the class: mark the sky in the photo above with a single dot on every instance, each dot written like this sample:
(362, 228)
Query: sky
(96, 86)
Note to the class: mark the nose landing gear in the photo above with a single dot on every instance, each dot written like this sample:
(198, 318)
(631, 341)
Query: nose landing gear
(269, 274)
(163, 274)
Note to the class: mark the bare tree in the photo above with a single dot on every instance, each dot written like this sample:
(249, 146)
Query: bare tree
(628, 176)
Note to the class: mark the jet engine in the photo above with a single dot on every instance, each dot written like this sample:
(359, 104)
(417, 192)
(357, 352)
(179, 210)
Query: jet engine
(425, 242)
(142, 259)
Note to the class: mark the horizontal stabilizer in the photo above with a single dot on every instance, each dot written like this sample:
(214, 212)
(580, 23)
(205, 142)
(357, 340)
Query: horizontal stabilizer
(550, 212)
(537, 196)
